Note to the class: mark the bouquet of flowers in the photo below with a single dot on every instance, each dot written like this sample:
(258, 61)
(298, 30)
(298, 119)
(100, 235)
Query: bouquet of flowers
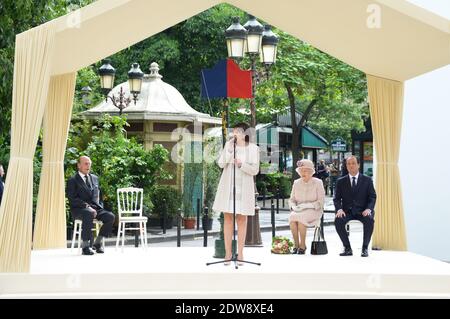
(281, 245)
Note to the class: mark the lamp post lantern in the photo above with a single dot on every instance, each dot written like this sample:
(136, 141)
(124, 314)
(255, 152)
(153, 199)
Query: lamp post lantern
(236, 36)
(268, 47)
(254, 35)
(85, 95)
(135, 76)
(107, 75)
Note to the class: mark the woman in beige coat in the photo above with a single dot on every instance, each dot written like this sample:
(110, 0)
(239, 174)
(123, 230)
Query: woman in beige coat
(247, 166)
(306, 203)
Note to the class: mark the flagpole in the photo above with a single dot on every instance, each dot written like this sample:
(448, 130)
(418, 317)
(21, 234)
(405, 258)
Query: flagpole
(219, 245)
(225, 121)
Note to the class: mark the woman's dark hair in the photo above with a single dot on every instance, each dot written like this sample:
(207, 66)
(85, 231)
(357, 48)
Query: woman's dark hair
(244, 126)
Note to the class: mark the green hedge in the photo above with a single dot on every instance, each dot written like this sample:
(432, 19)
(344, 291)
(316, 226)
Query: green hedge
(170, 196)
(273, 182)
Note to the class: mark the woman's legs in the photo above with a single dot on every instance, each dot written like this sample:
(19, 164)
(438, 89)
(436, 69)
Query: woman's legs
(242, 232)
(227, 233)
(302, 230)
(241, 221)
(294, 231)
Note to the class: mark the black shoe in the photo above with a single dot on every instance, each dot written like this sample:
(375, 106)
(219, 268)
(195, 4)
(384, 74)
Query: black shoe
(347, 252)
(301, 251)
(87, 251)
(98, 248)
(294, 251)
(365, 252)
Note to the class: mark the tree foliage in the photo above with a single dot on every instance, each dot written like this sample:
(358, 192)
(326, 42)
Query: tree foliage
(16, 17)
(118, 160)
(330, 94)
(339, 89)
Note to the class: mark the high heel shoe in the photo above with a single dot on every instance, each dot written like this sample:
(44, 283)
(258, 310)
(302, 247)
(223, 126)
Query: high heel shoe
(227, 263)
(301, 251)
(295, 251)
(240, 263)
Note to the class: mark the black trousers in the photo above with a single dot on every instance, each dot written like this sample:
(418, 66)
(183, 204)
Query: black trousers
(106, 217)
(333, 180)
(368, 223)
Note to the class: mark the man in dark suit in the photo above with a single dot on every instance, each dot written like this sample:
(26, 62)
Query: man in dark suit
(354, 198)
(2, 185)
(84, 198)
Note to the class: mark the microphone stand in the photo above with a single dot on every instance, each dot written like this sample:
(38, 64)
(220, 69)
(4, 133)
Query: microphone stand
(234, 254)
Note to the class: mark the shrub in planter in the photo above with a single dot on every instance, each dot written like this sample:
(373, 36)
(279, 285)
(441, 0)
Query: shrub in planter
(165, 198)
(261, 187)
(189, 222)
(207, 222)
(189, 219)
(278, 181)
(212, 177)
(285, 186)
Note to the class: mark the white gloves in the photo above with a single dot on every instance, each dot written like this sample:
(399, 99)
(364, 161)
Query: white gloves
(298, 208)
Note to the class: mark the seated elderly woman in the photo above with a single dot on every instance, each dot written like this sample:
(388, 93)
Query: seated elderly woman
(306, 204)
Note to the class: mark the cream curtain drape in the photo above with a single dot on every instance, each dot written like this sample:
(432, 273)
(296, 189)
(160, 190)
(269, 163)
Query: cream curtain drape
(386, 109)
(50, 223)
(33, 53)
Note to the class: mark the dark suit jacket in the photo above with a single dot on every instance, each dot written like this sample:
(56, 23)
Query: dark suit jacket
(80, 196)
(355, 202)
(1, 189)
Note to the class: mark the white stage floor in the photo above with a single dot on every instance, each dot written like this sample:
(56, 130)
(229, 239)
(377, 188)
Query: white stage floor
(182, 273)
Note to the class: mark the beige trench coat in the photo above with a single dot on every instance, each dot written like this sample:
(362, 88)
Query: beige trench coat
(250, 167)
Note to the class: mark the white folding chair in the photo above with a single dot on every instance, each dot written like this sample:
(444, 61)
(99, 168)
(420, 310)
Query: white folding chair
(77, 232)
(351, 222)
(129, 205)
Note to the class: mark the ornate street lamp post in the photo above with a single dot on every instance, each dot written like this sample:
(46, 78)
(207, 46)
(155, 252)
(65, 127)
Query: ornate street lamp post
(107, 73)
(255, 40)
(85, 95)
(135, 76)
(253, 49)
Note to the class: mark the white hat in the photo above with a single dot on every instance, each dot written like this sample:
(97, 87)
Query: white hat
(305, 163)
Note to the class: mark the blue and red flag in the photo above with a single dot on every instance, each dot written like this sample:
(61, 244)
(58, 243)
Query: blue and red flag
(226, 79)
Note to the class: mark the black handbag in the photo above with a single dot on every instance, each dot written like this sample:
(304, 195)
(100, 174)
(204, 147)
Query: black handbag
(319, 245)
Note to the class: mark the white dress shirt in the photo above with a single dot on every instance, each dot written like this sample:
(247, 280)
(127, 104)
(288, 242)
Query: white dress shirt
(83, 177)
(351, 178)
